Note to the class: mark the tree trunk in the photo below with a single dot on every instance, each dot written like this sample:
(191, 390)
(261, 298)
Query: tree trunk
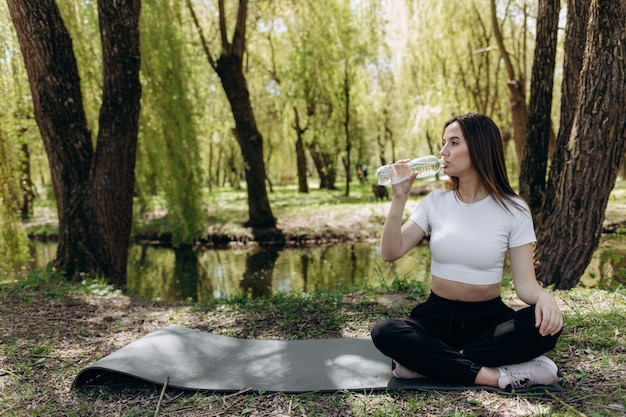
(346, 126)
(229, 69)
(55, 86)
(93, 191)
(575, 39)
(26, 183)
(571, 229)
(515, 91)
(303, 186)
(533, 167)
(113, 170)
(324, 164)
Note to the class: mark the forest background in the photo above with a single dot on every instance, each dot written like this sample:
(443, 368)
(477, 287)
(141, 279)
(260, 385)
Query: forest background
(186, 98)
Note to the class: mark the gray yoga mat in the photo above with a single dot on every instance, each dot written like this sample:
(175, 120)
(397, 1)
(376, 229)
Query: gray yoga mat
(195, 360)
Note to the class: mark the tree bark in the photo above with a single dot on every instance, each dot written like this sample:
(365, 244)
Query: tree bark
(113, 169)
(571, 228)
(93, 189)
(575, 39)
(533, 166)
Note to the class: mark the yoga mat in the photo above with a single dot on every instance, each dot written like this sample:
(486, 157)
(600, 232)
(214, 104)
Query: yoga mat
(190, 359)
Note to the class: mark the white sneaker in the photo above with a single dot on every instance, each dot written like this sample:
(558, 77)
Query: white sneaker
(402, 372)
(539, 371)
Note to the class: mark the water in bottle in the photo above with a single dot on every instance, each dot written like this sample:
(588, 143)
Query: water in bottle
(394, 173)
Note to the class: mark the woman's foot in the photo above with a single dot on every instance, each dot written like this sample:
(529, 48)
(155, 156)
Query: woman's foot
(539, 371)
(402, 372)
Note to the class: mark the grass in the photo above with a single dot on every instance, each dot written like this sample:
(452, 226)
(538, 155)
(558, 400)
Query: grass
(51, 329)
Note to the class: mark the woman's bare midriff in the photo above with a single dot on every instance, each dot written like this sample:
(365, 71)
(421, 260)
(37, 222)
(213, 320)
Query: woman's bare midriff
(453, 290)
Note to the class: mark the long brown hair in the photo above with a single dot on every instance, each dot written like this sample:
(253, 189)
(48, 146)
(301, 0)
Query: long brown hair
(486, 150)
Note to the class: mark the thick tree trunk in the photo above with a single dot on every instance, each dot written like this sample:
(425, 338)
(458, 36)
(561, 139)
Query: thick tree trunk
(533, 167)
(575, 39)
(57, 101)
(571, 229)
(93, 192)
(113, 171)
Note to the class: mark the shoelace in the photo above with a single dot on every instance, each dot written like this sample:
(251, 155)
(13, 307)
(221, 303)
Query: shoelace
(519, 379)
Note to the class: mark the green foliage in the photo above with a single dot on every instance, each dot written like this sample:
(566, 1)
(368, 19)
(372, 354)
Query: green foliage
(16, 129)
(392, 282)
(98, 286)
(168, 147)
(13, 239)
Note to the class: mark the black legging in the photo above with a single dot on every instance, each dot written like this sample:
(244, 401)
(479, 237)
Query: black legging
(451, 340)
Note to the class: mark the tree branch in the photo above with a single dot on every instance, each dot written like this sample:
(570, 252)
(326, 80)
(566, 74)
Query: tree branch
(239, 37)
(205, 45)
(223, 34)
(498, 34)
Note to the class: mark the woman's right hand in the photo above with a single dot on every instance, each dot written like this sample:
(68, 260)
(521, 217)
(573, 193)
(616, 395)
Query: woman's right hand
(403, 188)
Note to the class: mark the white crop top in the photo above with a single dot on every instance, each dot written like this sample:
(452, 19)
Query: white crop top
(468, 242)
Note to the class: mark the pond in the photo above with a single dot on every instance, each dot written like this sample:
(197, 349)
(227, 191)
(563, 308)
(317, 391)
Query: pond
(184, 274)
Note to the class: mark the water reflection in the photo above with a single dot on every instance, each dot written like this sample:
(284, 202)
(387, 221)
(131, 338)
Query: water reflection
(185, 274)
(257, 277)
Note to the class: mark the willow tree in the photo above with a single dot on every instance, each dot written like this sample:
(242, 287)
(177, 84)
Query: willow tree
(590, 144)
(304, 91)
(18, 139)
(93, 187)
(310, 90)
(351, 56)
(229, 66)
(168, 145)
(444, 61)
(13, 239)
(324, 86)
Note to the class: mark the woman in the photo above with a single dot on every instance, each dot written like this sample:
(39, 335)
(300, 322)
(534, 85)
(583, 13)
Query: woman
(463, 333)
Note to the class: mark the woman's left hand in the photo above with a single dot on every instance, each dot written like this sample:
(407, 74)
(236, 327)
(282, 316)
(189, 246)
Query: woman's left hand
(548, 315)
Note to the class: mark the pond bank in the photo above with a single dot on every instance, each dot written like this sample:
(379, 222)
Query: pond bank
(341, 223)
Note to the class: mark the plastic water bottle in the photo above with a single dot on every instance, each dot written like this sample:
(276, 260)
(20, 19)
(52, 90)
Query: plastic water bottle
(394, 173)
